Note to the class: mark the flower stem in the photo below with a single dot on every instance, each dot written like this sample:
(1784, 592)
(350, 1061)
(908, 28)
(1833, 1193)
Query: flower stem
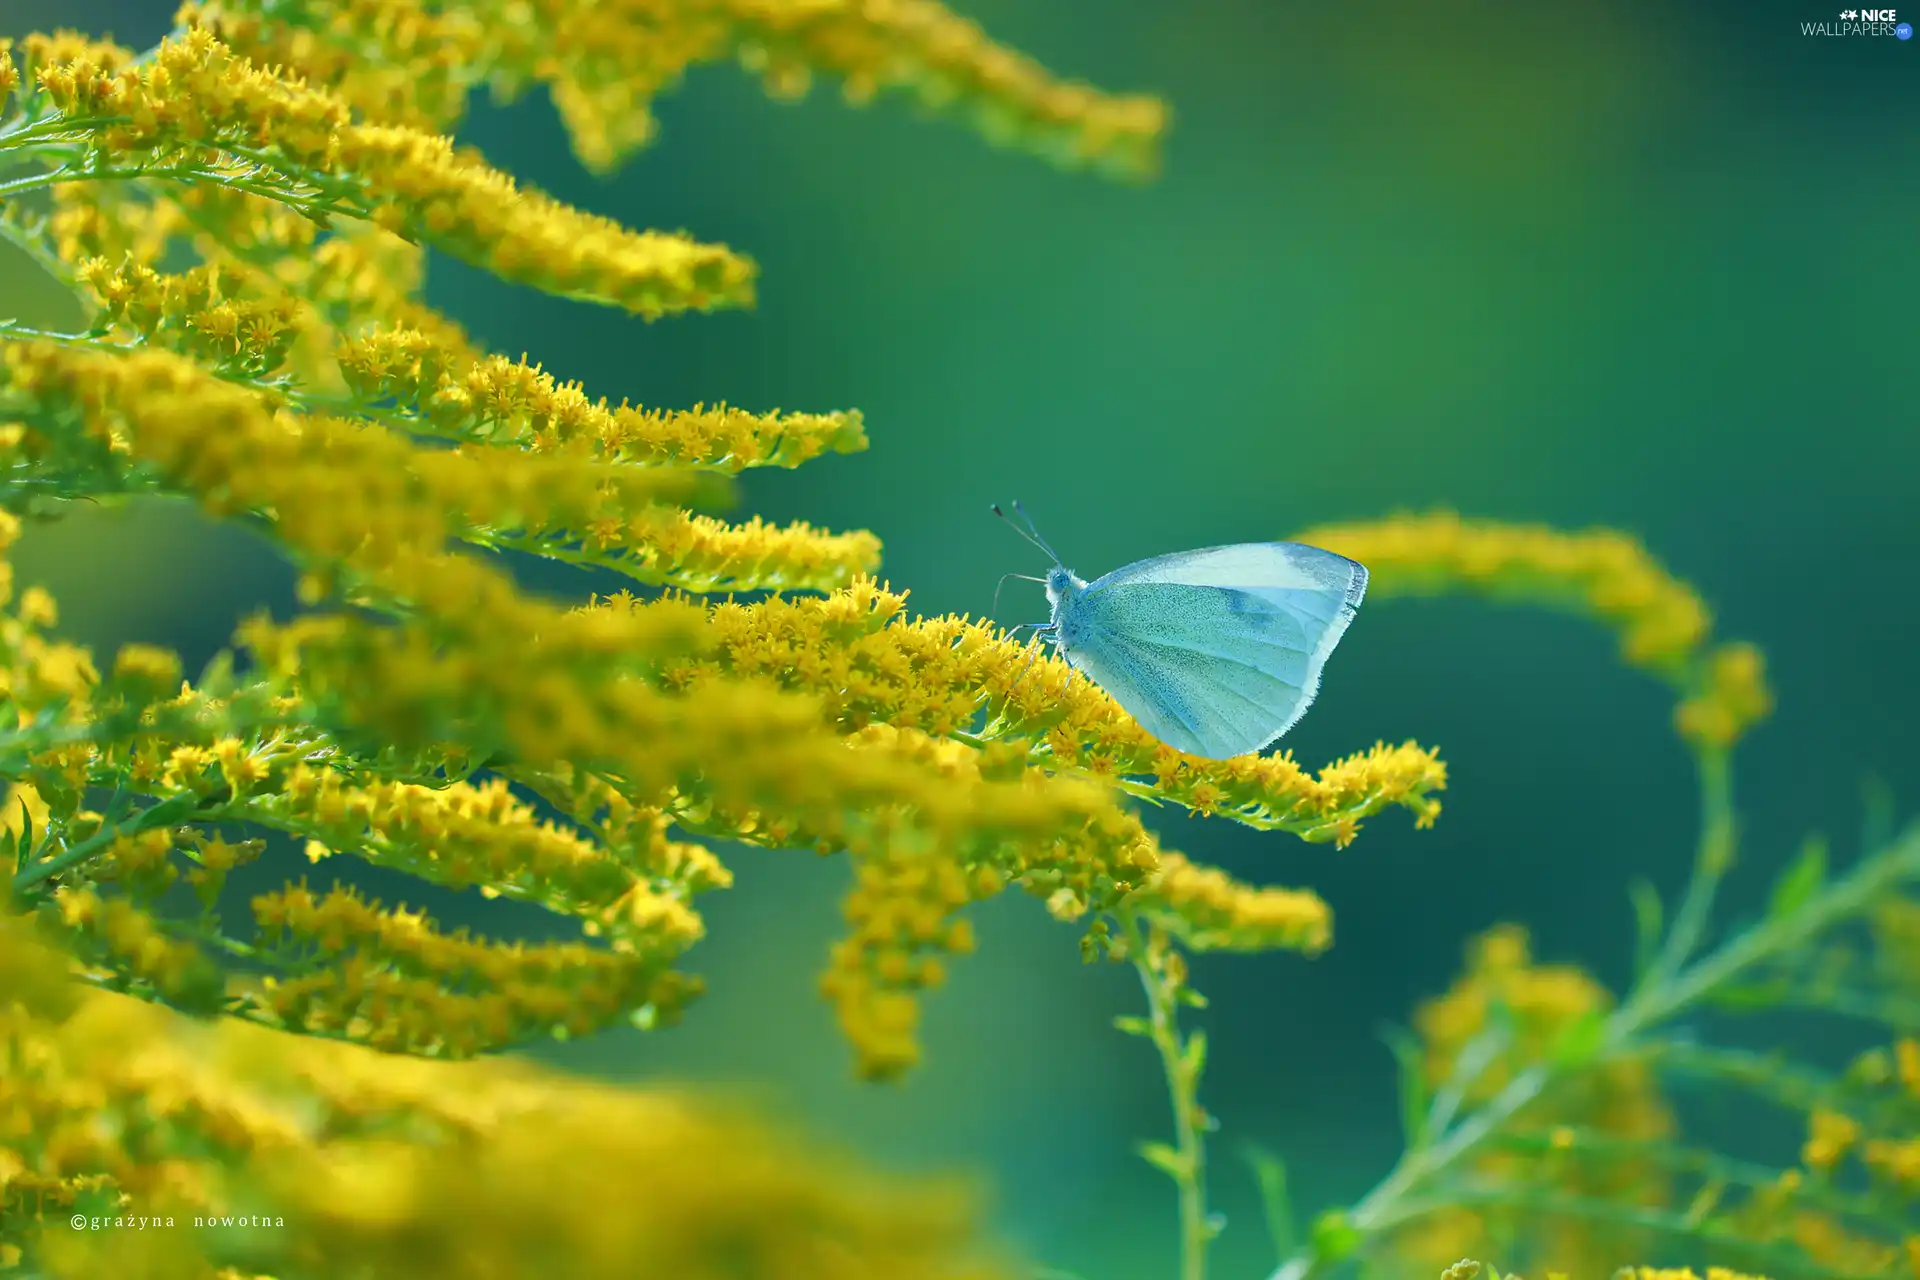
(1163, 978)
(1671, 988)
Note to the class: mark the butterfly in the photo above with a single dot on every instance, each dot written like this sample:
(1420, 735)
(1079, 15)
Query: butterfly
(1216, 652)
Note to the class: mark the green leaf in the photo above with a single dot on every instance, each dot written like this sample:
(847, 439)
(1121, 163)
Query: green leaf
(1270, 1171)
(217, 679)
(1335, 1238)
(23, 849)
(1194, 1056)
(1877, 823)
(1413, 1084)
(1167, 1160)
(1127, 1024)
(1580, 1041)
(1801, 880)
(1649, 919)
(1749, 996)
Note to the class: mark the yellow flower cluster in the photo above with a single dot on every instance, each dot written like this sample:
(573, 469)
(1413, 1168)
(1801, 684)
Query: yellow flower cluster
(735, 758)
(393, 981)
(130, 946)
(1890, 1155)
(268, 257)
(197, 314)
(367, 1163)
(118, 222)
(505, 401)
(335, 489)
(1537, 1005)
(397, 61)
(604, 64)
(532, 497)
(9, 72)
(1781, 1213)
(1663, 625)
(1216, 912)
(1467, 1269)
(631, 886)
(38, 674)
(907, 685)
(870, 662)
(197, 110)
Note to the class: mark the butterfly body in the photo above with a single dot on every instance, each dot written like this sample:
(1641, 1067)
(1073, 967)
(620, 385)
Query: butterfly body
(1217, 652)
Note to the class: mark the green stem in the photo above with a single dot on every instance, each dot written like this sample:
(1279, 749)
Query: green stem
(1711, 861)
(1650, 1005)
(1779, 1261)
(175, 809)
(1183, 1085)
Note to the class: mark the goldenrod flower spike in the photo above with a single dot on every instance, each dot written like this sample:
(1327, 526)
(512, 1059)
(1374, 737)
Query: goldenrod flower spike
(1662, 623)
(198, 113)
(870, 661)
(603, 64)
(356, 1162)
(9, 73)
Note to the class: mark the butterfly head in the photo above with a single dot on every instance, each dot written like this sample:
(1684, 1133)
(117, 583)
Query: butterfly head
(1062, 585)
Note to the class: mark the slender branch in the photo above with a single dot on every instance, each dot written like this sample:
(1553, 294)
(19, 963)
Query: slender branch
(1843, 899)
(1779, 1261)
(1711, 861)
(175, 809)
(1151, 954)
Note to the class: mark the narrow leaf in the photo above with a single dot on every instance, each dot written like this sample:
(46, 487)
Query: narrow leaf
(1801, 880)
(1413, 1084)
(1649, 919)
(1194, 1056)
(1167, 1160)
(1750, 996)
(1270, 1171)
(1579, 1042)
(1877, 823)
(23, 851)
(1129, 1025)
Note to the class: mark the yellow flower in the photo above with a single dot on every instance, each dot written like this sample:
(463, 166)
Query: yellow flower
(603, 64)
(372, 1163)
(1830, 1136)
(198, 102)
(1662, 624)
(1618, 1100)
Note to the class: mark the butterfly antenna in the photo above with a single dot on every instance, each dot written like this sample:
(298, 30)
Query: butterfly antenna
(1031, 533)
(995, 508)
(1035, 531)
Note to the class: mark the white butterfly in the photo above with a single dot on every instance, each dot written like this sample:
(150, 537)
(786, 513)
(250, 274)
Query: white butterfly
(1216, 652)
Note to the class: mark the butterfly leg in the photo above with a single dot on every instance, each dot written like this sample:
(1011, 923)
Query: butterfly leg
(1040, 630)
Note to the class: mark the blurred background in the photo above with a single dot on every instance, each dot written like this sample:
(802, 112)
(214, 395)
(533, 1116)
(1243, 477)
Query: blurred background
(1587, 263)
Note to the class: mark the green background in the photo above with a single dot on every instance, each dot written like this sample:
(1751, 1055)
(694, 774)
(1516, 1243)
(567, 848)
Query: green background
(1580, 262)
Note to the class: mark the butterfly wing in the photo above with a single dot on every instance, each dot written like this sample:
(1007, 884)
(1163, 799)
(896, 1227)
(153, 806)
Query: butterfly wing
(1217, 652)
